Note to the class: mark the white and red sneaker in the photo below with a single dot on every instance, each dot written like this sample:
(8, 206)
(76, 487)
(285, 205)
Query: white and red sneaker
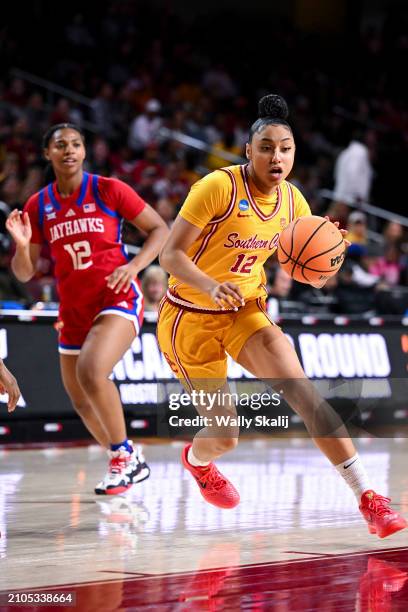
(117, 479)
(123, 474)
(214, 487)
(138, 470)
(381, 519)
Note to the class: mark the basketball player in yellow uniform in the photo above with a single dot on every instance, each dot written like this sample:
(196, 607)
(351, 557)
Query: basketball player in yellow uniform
(227, 228)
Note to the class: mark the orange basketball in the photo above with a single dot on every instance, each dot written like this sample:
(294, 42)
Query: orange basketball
(311, 249)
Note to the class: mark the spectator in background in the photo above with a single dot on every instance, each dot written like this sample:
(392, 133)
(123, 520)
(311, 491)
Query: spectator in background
(16, 93)
(100, 157)
(63, 113)
(219, 82)
(173, 185)
(177, 120)
(278, 290)
(304, 298)
(361, 258)
(21, 143)
(215, 129)
(393, 233)
(154, 287)
(123, 163)
(102, 111)
(144, 129)
(150, 160)
(196, 123)
(146, 186)
(5, 210)
(167, 210)
(357, 228)
(353, 173)
(189, 170)
(10, 191)
(225, 145)
(388, 267)
(33, 180)
(354, 280)
(10, 167)
(36, 114)
(78, 34)
(362, 290)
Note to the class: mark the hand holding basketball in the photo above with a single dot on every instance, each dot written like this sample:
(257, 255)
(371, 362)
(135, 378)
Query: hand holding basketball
(311, 249)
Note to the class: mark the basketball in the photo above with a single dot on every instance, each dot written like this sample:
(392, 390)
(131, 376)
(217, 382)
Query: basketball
(311, 249)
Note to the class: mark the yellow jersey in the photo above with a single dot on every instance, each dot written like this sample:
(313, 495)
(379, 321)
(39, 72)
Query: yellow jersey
(240, 231)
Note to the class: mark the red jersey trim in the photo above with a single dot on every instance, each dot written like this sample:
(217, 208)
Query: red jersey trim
(173, 344)
(214, 222)
(204, 244)
(178, 301)
(291, 203)
(262, 309)
(232, 200)
(252, 200)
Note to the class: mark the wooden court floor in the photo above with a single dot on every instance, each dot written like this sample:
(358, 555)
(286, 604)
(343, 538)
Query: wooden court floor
(295, 542)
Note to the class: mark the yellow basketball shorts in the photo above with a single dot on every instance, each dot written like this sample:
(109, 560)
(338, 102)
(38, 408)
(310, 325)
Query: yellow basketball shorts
(196, 344)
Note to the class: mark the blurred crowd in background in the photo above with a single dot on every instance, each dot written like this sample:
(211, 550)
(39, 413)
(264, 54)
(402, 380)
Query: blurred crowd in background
(350, 127)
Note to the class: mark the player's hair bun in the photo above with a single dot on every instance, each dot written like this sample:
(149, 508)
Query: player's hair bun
(272, 106)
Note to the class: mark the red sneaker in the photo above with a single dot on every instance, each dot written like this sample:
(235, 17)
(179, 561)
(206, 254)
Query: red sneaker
(381, 519)
(214, 487)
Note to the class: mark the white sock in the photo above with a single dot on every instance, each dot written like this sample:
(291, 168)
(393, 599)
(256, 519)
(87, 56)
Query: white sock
(353, 472)
(192, 459)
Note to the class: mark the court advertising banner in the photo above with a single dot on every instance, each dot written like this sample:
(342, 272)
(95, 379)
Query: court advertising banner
(361, 370)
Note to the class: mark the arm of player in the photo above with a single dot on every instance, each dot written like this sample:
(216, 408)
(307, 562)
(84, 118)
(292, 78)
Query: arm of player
(174, 259)
(25, 259)
(343, 232)
(149, 222)
(8, 384)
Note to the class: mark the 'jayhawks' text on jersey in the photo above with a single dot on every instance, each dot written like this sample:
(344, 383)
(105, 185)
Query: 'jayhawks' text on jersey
(84, 231)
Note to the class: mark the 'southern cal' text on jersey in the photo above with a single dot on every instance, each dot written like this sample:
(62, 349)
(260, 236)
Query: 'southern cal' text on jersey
(240, 230)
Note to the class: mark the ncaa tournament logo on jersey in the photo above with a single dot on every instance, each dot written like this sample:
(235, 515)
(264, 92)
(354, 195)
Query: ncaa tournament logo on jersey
(243, 206)
(49, 212)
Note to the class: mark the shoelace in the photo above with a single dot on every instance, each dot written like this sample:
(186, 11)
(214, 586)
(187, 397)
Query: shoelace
(117, 465)
(379, 505)
(212, 477)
